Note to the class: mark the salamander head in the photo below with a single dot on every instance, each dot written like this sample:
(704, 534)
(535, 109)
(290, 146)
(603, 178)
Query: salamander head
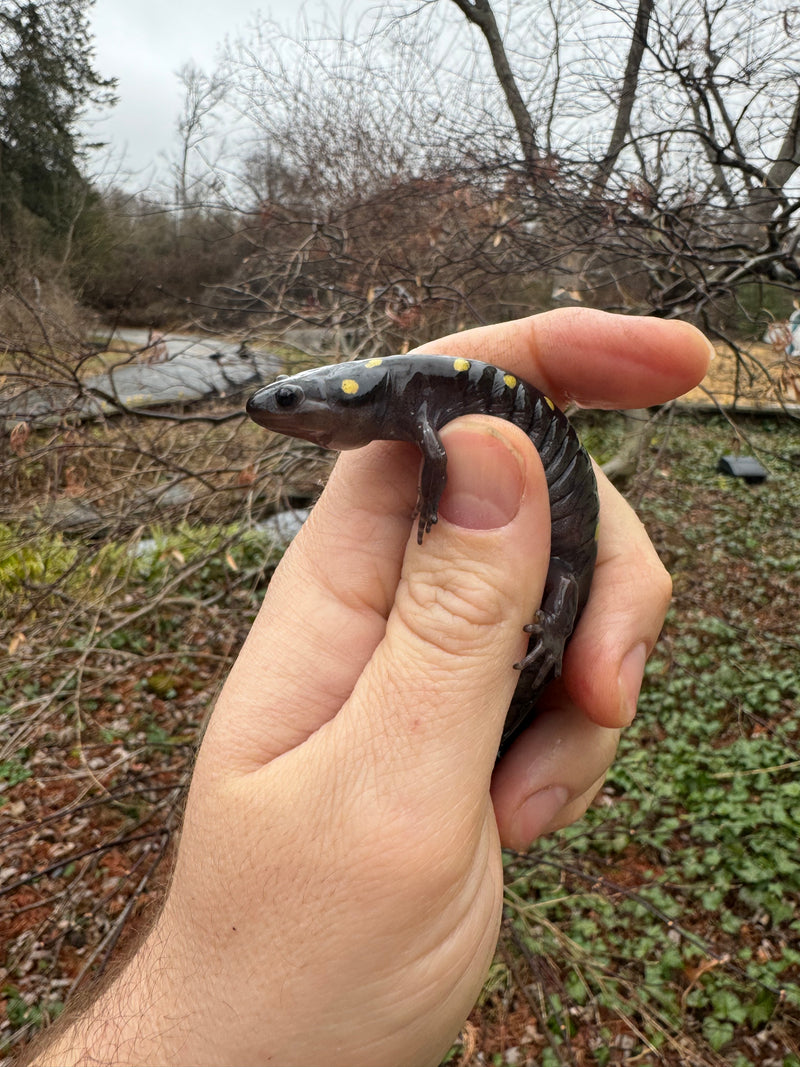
(328, 405)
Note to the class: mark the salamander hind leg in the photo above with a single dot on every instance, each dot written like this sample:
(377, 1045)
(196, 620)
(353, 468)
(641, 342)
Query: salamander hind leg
(552, 625)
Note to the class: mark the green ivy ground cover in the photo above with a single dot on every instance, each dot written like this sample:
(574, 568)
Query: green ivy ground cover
(665, 926)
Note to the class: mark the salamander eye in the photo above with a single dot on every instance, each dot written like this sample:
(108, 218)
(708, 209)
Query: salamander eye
(288, 396)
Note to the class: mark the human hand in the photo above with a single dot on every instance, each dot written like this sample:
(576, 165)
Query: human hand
(338, 886)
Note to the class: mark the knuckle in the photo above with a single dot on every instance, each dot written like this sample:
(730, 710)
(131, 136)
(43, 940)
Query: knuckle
(453, 610)
(656, 578)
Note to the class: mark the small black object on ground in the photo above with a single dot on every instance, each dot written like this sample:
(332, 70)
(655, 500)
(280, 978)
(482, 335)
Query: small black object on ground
(746, 467)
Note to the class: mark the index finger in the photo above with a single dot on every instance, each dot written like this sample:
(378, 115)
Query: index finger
(592, 358)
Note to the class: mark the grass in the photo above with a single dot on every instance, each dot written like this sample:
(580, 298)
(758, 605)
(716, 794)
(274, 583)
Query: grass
(664, 928)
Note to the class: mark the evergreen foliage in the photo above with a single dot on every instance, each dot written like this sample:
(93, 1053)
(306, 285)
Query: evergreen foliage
(47, 78)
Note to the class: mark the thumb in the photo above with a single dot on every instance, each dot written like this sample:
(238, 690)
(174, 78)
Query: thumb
(430, 705)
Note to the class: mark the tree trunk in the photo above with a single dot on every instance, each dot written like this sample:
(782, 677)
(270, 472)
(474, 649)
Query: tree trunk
(627, 96)
(480, 14)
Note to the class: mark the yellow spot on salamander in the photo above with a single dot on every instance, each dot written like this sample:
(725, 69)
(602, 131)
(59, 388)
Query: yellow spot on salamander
(549, 403)
(373, 363)
(597, 531)
(349, 386)
(510, 380)
(460, 364)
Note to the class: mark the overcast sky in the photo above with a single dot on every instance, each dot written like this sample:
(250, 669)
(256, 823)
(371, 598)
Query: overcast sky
(144, 42)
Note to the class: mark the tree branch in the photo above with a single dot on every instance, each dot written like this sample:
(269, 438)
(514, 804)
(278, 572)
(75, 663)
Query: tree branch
(480, 14)
(627, 97)
(789, 155)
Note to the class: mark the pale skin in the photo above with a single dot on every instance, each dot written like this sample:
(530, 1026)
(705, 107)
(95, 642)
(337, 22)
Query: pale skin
(337, 891)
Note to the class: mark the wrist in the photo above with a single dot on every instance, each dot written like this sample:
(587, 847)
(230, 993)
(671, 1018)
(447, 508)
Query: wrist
(145, 1013)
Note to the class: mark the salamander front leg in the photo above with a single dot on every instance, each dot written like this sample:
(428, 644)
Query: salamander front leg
(552, 624)
(433, 478)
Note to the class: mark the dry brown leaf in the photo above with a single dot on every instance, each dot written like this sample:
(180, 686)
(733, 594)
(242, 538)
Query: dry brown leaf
(247, 475)
(19, 438)
(18, 639)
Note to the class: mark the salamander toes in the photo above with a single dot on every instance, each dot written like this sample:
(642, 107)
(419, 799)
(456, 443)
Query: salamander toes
(546, 650)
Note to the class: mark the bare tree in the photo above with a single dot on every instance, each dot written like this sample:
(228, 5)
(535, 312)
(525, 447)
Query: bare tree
(480, 14)
(620, 134)
(197, 126)
(408, 178)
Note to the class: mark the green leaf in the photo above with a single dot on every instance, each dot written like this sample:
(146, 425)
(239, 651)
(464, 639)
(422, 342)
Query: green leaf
(716, 1032)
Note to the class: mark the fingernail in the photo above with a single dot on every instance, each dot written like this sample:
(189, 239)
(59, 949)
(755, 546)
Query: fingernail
(485, 480)
(534, 815)
(631, 674)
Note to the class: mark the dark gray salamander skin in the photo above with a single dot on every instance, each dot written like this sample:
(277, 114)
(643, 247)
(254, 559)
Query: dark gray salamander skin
(410, 398)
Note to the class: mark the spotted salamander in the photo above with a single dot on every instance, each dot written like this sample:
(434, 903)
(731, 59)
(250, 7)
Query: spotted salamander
(410, 398)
